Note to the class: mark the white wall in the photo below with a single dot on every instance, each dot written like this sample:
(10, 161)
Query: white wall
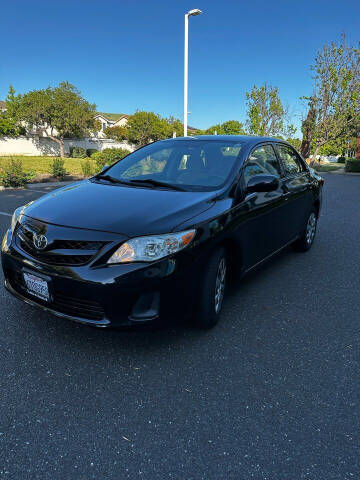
(34, 145)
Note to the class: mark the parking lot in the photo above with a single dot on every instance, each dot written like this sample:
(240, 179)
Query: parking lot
(271, 393)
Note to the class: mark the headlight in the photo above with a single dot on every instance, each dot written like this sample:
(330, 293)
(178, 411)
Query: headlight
(153, 247)
(15, 218)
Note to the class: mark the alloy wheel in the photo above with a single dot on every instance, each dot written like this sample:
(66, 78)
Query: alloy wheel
(220, 285)
(311, 229)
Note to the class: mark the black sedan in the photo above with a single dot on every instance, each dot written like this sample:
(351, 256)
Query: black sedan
(156, 234)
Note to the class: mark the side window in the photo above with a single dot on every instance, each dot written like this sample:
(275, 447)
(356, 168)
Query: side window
(262, 161)
(290, 159)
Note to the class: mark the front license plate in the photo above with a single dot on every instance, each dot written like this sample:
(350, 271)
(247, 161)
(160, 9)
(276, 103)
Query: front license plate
(37, 286)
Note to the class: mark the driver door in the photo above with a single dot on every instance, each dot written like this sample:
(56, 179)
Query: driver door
(261, 227)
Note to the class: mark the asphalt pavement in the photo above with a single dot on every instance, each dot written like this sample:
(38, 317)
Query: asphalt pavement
(272, 392)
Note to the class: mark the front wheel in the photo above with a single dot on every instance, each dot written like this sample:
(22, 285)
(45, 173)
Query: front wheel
(212, 290)
(304, 243)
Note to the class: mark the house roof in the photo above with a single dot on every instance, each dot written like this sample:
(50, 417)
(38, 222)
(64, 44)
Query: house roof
(2, 104)
(112, 116)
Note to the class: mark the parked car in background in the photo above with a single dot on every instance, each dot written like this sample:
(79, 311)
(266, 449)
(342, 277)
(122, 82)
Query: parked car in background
(156, 234)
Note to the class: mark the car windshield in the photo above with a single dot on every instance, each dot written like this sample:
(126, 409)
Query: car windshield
(181, 164)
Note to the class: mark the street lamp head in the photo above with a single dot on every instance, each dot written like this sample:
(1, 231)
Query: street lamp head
(193, 13)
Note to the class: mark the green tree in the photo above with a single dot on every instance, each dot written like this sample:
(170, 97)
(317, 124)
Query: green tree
(175, 125)
(295, 142)
(214, 129)
(12, 103)
(145, 127)
(266, 115)
(339, 146)
(57, 113)
(335, 102)
(117, 133)
(9, 126)
(307, 128)
(230, 127)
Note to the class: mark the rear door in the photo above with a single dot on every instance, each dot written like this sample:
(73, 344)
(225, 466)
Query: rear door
(296, 186)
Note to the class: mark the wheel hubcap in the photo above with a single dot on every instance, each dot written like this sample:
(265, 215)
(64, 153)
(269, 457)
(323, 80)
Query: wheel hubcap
(220, 285)
(311, 228)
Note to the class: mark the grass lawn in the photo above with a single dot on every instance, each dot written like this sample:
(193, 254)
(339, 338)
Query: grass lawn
(328, 167)
(41, 165)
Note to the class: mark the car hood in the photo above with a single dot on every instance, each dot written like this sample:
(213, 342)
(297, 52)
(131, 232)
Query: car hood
(121, 209)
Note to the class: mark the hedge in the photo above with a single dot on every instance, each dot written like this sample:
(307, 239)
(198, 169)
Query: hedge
(352, 165)
(90, 151)
(109, 156)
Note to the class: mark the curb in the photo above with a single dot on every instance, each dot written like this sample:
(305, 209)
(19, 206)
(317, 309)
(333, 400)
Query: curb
(29, 186)
(343, 173)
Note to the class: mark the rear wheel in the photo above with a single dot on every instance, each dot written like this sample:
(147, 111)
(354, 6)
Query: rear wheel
(212, 290)
(304, 243)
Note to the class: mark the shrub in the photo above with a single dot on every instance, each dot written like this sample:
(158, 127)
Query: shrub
(108, 156)
(87, 168)
(90, 151)
(13, 175)
(57, 168)
(341, 160)
(352, 165)
(78, 152)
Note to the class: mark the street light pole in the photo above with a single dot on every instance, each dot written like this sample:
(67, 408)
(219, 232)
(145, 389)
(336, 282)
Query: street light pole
(191, 13)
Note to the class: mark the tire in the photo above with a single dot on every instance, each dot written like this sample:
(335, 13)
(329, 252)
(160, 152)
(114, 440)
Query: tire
(305, 242)
(211, 293)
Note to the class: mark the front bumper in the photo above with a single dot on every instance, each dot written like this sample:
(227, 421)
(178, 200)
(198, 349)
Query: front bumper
(107, 295)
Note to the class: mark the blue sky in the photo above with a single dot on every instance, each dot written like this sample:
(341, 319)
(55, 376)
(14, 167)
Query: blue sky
(126, 55)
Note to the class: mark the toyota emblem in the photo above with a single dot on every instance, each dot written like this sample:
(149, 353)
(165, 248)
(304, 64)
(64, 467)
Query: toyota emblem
(40, 241)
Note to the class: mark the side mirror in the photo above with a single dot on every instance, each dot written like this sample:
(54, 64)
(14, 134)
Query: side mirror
(262, 183)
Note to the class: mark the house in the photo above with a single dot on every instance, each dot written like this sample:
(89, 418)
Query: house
(2, 106)
(110, 120)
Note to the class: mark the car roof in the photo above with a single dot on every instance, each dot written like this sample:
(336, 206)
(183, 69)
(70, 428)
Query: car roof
(248, 139)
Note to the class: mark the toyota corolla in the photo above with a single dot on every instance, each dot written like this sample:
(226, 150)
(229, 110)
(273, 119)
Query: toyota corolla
(156, 234)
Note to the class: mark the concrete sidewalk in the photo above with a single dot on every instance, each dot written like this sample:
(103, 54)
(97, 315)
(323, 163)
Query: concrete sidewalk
(44, 185)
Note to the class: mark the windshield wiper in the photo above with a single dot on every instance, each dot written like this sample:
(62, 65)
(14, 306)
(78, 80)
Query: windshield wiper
(109, 178)
(145, 181)
(157, 183)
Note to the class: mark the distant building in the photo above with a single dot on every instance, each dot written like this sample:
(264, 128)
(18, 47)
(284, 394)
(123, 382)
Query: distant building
(110, 120)
(2, 106)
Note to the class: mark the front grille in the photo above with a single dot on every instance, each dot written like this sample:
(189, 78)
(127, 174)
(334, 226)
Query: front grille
(77, 245)
(55, 259)
(59, 251)
(61, 302)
